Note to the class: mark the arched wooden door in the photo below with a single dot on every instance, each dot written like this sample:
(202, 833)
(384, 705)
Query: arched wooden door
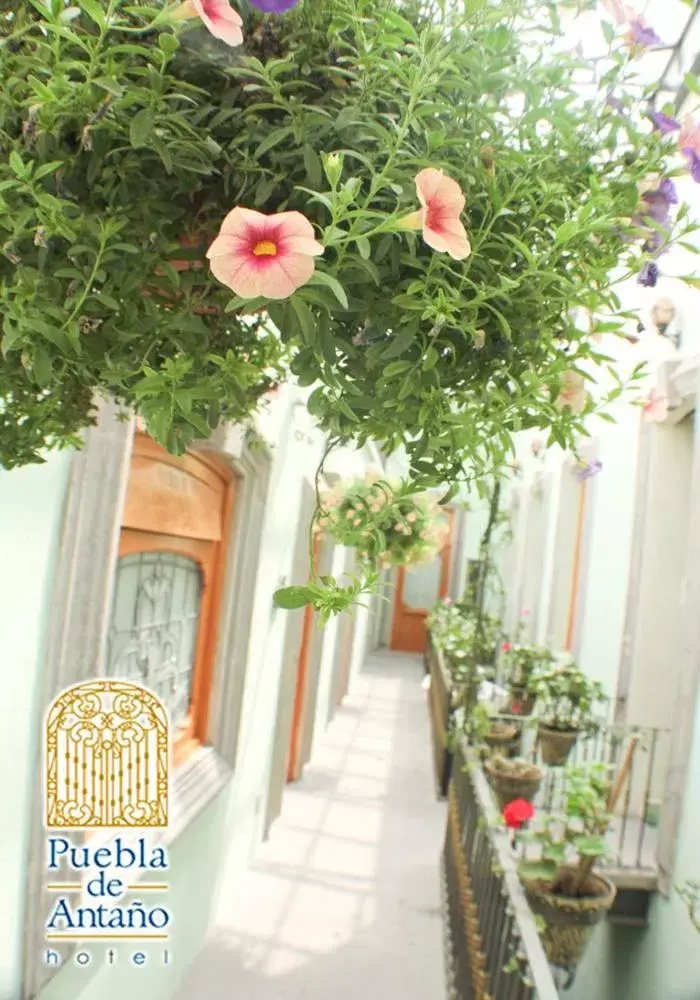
(418, 588)
(168, 581)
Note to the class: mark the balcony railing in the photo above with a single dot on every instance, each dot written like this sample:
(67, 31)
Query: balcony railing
(632, 858)
(493, 947)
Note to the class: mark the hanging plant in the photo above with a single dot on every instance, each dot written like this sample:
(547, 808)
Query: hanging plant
(417, 196)
(387, 524)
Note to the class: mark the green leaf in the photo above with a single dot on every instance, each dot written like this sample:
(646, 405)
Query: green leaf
(168, 43)
(141, 127)
(274, 138)
(692, 83)
(42, 366)
(537, 871)
(93, 10)
(291, 598)
(363, 245)
(566, 231)
(305, 318)
(593, 847)
(18, 168)
(322, 278)
(313, 165)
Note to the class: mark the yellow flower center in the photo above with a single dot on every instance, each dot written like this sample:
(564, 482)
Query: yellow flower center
(265, 248)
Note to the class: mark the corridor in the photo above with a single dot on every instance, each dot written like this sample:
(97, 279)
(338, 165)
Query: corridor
(343, 901)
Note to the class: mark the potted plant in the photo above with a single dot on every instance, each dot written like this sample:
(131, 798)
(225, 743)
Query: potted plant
(567, 698)
(523, 664)
(513, 778)
(492, 733)
(560, 884)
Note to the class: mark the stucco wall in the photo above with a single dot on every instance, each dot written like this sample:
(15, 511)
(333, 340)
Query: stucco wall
(31, 503)
(220, 838)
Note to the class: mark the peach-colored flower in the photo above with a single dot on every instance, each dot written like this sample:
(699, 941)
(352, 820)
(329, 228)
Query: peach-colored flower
(269, 255)
(573, 392)
(689, 136)
(617, 10)
(655, 407)
(349, 515)
(357, 522)
(218, 16)
(443, 203)
(412, 517)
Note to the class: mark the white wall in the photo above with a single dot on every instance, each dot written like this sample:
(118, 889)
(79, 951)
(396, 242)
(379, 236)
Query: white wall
(31, 505)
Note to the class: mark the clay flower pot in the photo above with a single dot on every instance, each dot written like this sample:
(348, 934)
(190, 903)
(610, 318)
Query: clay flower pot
(555, 744)
(521, 701)
(503, 738)
(513, 779)
(569, 920)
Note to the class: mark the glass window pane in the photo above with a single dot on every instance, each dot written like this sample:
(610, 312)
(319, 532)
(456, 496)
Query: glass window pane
(153, 631)
(421, 585)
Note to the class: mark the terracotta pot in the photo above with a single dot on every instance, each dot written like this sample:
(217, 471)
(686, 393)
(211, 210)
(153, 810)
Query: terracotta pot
(555, 745)
(569, 921)
(507, 786)
(521, 701)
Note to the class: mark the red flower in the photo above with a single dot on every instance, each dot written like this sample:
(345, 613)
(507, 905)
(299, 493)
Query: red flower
(516, 709)
(517, 812)
(506, 647)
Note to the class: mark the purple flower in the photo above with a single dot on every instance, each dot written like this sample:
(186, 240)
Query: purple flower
(614, 102)
(274, 6)
(663, 122)
(641, 33)
(655, 242)
(693, 164)
(588, 470)
(649, 274)
(660, 200)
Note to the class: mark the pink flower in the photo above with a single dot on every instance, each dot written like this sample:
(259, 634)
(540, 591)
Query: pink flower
(506, 647)
(655, 407)
(268, 255)
(573, 392)
(218, 16)
(689, 136)
(443, 203)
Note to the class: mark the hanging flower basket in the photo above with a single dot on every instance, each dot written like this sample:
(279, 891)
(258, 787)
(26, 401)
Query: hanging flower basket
(513, 779)
(555, 745)
(568, 921)
(384, 522)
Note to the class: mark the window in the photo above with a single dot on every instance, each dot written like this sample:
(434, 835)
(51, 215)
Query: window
(167, 583)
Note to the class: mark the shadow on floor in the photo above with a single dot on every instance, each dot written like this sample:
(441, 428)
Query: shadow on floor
(342, 903)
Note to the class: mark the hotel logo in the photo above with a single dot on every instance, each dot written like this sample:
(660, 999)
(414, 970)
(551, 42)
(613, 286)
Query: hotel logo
(106, 757)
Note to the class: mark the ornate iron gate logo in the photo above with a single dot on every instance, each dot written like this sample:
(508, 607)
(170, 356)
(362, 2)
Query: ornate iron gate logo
(106, 757)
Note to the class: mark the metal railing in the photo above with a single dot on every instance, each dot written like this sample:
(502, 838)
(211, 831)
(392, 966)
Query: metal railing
(441, 714)
(492, 943)
(632, 838)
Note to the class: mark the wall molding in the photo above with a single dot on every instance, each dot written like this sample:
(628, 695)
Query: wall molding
(676, 784)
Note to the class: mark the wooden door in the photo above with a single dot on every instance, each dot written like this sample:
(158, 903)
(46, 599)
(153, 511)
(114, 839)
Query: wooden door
(418, 588)
(168, 582)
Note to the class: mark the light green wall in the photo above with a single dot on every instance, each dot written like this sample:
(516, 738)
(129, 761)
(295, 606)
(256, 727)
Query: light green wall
(31, 505)
(195, 861)
(662, 961)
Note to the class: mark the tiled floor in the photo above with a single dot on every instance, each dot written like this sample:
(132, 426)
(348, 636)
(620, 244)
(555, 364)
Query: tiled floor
(343, 901)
